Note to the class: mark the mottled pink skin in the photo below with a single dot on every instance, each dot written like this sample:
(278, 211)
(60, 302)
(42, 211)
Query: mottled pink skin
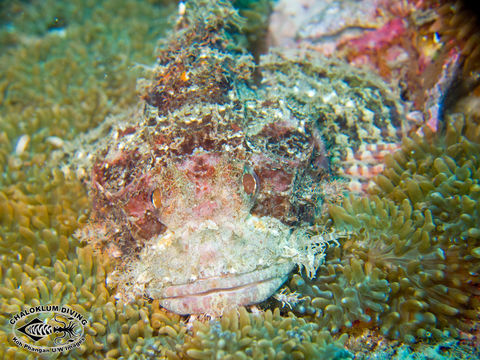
(203, 186)
(199, 169)
(279, 180)
(205, 209)
(199, 165)
(208, 254)
(379, 38)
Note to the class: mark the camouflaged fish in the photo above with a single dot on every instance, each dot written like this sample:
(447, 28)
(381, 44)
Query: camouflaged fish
(204, 195)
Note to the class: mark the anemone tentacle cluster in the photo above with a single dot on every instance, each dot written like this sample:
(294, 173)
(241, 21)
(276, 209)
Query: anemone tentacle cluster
(410, 258)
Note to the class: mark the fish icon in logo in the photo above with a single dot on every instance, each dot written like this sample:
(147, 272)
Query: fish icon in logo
(36, 330)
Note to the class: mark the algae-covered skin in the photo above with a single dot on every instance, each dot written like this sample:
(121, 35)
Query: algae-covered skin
(204, 193)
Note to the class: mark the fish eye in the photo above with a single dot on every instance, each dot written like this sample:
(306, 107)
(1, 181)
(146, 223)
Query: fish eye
(156, 198)
(250, 182)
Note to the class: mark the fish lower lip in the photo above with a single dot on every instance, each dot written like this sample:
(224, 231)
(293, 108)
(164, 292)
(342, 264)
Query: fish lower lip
(213, 295)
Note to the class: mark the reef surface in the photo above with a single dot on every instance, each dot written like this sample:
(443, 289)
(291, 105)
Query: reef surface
(274, 143)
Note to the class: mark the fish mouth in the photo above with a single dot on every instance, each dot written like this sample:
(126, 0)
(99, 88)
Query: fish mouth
(215, 294)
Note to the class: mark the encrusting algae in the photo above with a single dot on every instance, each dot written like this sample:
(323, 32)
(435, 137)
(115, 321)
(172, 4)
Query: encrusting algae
(408, 261)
